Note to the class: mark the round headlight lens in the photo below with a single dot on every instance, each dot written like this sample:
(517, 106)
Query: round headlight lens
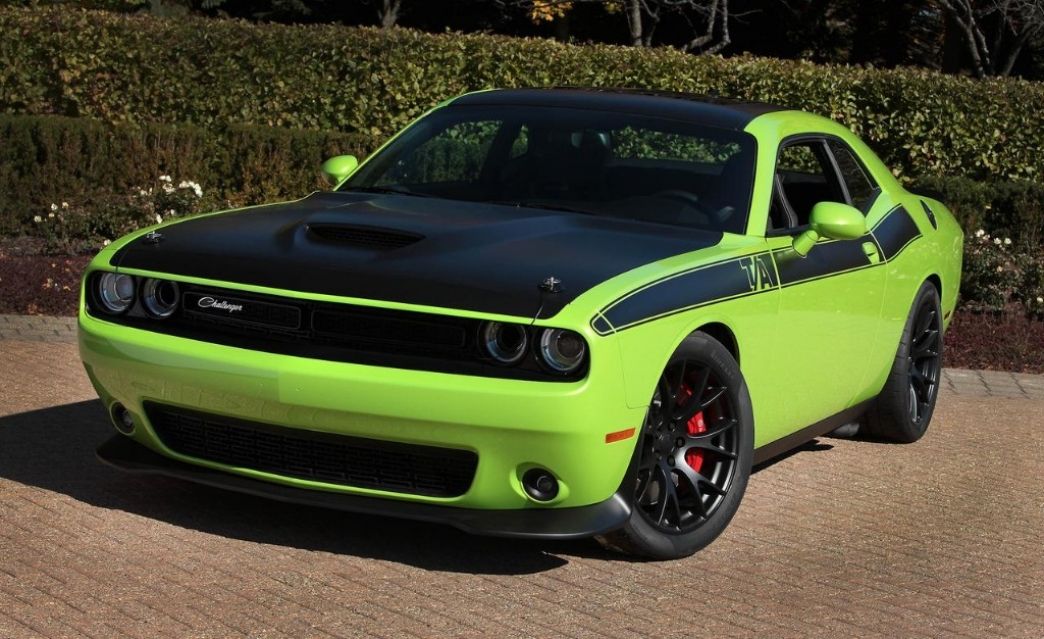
(116, 292)
(160, 297)
(562, 350)
(506, 343)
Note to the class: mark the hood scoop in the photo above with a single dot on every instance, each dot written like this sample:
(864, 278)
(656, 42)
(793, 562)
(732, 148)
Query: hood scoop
(367, 237)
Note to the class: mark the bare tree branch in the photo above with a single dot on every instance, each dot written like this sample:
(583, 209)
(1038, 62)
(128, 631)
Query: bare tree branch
(1014, 23)
(643, 17)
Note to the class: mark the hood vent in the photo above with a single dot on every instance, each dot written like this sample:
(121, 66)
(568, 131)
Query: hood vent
(368, 237)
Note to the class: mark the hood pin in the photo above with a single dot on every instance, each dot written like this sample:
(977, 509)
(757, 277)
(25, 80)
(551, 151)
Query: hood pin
(551, 284)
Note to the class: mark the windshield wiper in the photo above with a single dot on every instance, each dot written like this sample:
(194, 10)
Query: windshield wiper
(387, 190)
(542, 205)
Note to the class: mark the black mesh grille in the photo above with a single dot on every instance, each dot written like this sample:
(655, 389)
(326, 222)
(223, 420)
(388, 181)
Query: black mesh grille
(364, 236)
(324, 457)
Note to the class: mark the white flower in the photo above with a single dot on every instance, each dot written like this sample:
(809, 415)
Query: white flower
(167, 188)
(51, 214)
(106, 242)
(37, 219)
(980, 233)
(159, 219)
(189, 184)
(54, 207)
(143, 192)
(1000, 269)
(997, 241)
(164, 178)
(65, 205)
(1007, 241)
(170, 211)
(1040, 300)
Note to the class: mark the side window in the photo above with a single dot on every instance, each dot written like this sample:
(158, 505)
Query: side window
(805, 176)
(454, 155)
(861, 187)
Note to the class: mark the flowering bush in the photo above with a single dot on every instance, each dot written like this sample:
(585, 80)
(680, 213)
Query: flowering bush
(999, 274)
(72, 228)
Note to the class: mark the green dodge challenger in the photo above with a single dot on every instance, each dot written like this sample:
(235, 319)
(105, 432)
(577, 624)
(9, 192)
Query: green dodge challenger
(550, 313)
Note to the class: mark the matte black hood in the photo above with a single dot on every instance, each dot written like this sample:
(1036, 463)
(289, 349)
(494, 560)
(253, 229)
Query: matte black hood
(481, 257)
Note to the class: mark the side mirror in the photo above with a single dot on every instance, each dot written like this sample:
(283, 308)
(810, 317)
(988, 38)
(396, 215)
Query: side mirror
(833, 221)
(339, 167)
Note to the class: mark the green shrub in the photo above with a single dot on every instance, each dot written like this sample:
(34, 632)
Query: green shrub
(47, 160)
(1000, 273)
(1008, 208)
(192, 70)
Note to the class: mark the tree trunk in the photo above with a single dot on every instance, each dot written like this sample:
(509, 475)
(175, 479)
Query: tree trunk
(633, 11)
(389, 13)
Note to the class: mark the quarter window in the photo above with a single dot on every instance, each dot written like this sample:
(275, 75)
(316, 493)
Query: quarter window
(860, 187)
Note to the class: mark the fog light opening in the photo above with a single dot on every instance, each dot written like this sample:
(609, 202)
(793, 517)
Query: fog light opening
(122, 419)
(540, 484)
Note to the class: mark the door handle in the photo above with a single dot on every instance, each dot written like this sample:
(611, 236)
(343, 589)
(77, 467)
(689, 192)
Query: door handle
(872, 254)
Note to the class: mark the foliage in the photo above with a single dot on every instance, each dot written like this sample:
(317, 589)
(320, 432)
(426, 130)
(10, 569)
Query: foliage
(1009, 208)
(125, 68)
(999, 273)
(94, 167)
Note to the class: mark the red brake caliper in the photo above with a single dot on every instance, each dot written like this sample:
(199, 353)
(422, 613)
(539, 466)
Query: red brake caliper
(695, 426)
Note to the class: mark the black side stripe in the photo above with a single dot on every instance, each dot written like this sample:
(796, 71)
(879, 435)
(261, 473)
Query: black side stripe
(826, 259)
(737, 277)
(752, 274)
(895, 232)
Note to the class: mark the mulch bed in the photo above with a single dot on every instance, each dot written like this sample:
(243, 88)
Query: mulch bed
(49, 285)
(40, 284)
(1001, 341)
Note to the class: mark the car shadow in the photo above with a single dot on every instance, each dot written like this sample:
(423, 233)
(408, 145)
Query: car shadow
(53, 449)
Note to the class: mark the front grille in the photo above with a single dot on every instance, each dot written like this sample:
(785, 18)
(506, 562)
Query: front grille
(338, 332)
(223, 308)
(364, 236)
(334, 459)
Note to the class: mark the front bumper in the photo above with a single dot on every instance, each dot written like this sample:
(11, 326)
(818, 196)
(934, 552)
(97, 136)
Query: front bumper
(512, 425)
(555, 523)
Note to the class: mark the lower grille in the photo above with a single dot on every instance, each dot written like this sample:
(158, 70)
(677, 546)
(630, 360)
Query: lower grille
(324, 457)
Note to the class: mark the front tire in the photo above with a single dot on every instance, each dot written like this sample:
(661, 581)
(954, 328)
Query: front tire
(694, 455)
(903, 410)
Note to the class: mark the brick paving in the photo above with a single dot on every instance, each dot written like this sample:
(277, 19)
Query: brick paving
(842, 538)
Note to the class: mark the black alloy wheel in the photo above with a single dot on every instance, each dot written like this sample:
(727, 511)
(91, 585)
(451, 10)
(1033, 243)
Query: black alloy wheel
(925, 362)
(904, 408)
(688, 449)
(692, 459)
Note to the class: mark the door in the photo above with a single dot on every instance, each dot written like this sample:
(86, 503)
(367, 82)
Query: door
(830, 301)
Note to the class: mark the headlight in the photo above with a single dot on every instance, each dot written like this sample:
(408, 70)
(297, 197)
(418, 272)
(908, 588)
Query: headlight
(562, 350)
(160, 297)
(116, 292)
(506, 343)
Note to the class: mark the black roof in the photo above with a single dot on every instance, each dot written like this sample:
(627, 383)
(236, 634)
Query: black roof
(709, 110)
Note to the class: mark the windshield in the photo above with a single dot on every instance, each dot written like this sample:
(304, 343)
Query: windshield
(592, 162)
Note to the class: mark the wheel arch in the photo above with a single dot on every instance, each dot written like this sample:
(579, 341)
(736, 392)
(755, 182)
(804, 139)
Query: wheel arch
(724, 335)
(936, 282)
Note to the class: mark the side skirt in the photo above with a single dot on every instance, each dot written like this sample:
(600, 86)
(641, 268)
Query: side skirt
(793, 440)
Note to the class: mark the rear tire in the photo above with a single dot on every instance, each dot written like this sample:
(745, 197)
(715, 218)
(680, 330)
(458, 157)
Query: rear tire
(694, 455)
(903, 410)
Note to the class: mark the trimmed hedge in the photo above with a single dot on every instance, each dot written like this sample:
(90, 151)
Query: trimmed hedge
(1013, 209)
(48, 159)
(194, 70)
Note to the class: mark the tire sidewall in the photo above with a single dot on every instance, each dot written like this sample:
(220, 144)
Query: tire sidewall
(659, 545)
(926, 295)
